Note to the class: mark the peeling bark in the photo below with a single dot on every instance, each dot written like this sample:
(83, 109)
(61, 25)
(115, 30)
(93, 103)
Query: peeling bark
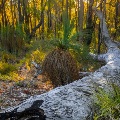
(74, 101)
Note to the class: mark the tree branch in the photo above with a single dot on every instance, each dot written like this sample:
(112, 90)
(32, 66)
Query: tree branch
(105, 34)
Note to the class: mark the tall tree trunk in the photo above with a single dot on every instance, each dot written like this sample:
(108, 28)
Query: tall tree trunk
(49, 18)
(20, 19)
(70, 4)
(2, 13)
(12, 12)
(89, 24)
(67, 4)
(76, 14)
(26, 17)
(42, 20)
(80, 17)
(99, 31)
(117, 18)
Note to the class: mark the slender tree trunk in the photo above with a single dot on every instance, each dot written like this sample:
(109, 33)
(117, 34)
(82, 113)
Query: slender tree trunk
(49, 18)
(76, 14)
(42, 20)
(20, 19)
(2, 13)
(15, 16)
(99, 33)
(89, 23)
(41, 23)
(26, 17)
(80, 17)
(70, 4)
(67, 4)
(12, 12)
(117, 18)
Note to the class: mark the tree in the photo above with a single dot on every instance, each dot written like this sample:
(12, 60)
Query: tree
(20, 20)
(89, 24)
(80, 17)
(117, 17)
(49, 17)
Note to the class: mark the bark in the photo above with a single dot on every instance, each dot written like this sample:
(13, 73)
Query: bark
(89, 24)
(80, 17)
(32, 113)
(19, 13)
(40, 23)
(74, 101)
(67, 4)
(117, 18)
(49, 18)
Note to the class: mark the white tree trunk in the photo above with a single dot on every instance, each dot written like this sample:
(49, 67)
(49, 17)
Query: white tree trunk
(74, 101)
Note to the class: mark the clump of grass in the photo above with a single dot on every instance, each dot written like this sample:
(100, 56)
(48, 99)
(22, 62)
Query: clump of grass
(60, 67)
(107, 104)
(6, 68)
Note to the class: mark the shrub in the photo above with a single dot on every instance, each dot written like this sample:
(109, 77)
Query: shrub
(107, 104)
(12, 76)
(60, 67)
(38, 56)
(12, 38)
(6, 68)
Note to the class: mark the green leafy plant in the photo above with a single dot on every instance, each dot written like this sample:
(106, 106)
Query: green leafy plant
(59, 65)
(68, 35)
(9, 72)
(6, 68)
(107, 104)
(38, 56)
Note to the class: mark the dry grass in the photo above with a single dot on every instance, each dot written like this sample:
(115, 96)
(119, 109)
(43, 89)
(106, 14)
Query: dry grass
(60, 67)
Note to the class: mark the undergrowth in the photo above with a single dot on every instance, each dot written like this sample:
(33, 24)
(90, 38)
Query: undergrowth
(107, 104)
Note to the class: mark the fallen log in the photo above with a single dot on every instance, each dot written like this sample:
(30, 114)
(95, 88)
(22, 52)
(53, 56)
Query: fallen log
(74, 101)
(31, 113)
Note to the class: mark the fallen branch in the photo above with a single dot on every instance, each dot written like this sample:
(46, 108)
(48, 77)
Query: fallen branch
(32, 112)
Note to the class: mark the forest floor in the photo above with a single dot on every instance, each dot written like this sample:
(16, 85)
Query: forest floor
(12, 93)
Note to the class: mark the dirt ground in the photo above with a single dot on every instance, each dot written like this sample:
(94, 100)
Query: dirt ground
(12, 93)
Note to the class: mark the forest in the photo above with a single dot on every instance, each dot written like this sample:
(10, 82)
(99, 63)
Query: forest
(45, 44)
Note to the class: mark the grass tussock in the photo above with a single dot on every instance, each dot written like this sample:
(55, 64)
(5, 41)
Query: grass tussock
(60, 67)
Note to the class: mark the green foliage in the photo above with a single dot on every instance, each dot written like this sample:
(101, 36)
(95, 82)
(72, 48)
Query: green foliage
(12, 76)
(6, 68)
(9, 72)
(108, 104)
(85, 61)
(12, 38)
(7, 57)
(59, 65)
(38, 56)
(68, 35)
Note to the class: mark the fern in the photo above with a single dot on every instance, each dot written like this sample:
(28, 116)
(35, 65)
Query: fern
(108, 104)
